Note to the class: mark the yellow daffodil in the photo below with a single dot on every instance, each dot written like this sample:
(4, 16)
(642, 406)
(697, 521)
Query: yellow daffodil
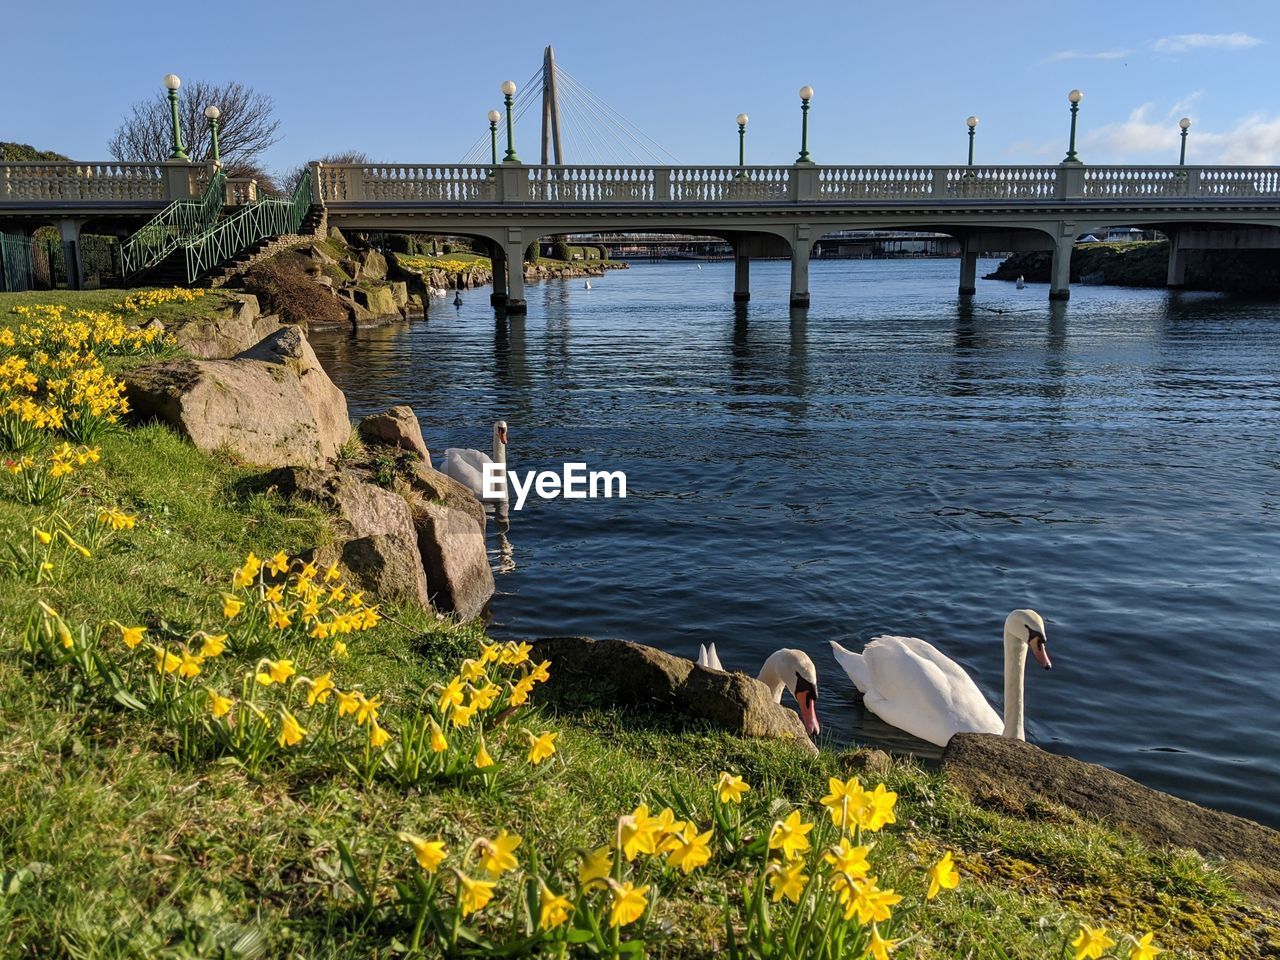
(64, 635)
(730, 788)
(553, 909)
(347, 702)
(438, 743)
(429, 853)
(219, 706)
(497, 856)
(274, 594)
(291, 732)
(882, 802)
(189, 665)
(595, 867)
(864, 898)
(132, 636)
(638, 832)
(278, 564)
(482, 758)
(489, 652)
(942, 876)
(278, 671)
(213, 645)
(845, 800)
(231, 606)
(279, 618)
(845, 858)
(541, 747)
(461, 716)
(628, 903)
(1091, 943)
(332, 574)
(541, 672)
(318, 690)
(791, 836)
(368, 709)
(453, 694)
(693, 849)
(1144, 949)
(879, 948)
(43, 536)
(338, 650)
(473, 894)
(520, 692)
(166, 662)
(787, 880)
(378, 737)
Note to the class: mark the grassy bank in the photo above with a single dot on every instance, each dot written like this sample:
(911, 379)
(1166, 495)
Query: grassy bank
(135, 825)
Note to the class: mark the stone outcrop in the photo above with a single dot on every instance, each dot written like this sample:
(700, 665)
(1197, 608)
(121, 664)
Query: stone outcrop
(373, 265)
(271, 405)
(618, 672)
(1018, 776)
(232, 330)
(378, 543)
(395, 427)
(450, 524)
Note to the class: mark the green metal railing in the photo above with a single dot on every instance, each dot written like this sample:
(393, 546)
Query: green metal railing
(268, 217)
(173, 226)
(17, 272)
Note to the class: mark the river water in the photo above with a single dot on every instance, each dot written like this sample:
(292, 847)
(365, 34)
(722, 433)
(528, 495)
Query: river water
(895, 461)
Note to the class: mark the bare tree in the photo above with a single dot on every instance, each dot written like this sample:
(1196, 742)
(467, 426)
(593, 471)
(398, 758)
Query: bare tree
(246, 128)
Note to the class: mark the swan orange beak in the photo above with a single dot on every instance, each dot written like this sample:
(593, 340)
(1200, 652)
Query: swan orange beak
(807, 703)
(1041, 652)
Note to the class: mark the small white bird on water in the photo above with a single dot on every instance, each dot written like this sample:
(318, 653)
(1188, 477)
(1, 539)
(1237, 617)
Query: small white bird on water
(785, 669)
(913, 686)
(587, 285)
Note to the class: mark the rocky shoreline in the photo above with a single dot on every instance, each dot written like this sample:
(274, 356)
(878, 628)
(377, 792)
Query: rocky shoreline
(1145, 264)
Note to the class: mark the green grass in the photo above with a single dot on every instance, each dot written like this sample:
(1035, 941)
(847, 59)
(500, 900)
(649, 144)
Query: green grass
(205, 306)
(110, 848)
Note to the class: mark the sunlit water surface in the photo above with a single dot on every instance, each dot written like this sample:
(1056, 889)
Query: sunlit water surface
(895, 461)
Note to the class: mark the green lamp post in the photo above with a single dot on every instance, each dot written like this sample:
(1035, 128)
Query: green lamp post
(172, 83)
(806, 94)
(1075, 96)
(972, 124)
(742, 142)
(212, 113)
(508, 93)
(494, 117)
(1185, 124)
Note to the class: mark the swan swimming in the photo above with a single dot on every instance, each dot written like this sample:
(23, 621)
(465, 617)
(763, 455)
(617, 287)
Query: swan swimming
(457, 299)
(784, 669)
(911, 685)
(467, 466)
(587, 285)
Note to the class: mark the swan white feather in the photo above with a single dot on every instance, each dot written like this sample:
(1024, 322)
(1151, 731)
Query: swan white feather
(910, 684)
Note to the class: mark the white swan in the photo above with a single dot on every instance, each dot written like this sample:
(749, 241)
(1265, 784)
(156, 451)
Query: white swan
(467, 466)
(587, 285)
(785, 669)
(911, 685)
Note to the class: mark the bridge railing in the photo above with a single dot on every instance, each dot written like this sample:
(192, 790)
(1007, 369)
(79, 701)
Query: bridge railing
(64, 181)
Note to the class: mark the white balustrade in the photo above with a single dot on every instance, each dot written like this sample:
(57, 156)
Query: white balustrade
(1239, 182)
(998, 183)
(1115, 182)
(875, 183)
(62, 181)
(729, 184)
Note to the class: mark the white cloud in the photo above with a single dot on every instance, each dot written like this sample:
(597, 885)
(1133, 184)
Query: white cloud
(1086, 55)
(1186, 42)
(1150, 136)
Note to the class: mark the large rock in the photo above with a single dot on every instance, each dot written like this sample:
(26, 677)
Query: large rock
(1011, 774)
(450, 523)
(378, 545)
(396, 427)
(233, 329)
(630, 674)
(272, 405)
(373, 265)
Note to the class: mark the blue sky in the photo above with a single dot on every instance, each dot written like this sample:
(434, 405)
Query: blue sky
(894, 82)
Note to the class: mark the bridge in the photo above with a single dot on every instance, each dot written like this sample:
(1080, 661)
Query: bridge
(758, 210)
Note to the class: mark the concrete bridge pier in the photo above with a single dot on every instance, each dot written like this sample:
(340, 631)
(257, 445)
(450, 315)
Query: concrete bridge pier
(498, 299)
(741, 276)
(1177, 276)
(800, 266)
(968, 267)
(514, 257)
(69, 230)
(1060, 271)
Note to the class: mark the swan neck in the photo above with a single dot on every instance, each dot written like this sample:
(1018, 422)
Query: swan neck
(769, 677)
(1015, 661)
